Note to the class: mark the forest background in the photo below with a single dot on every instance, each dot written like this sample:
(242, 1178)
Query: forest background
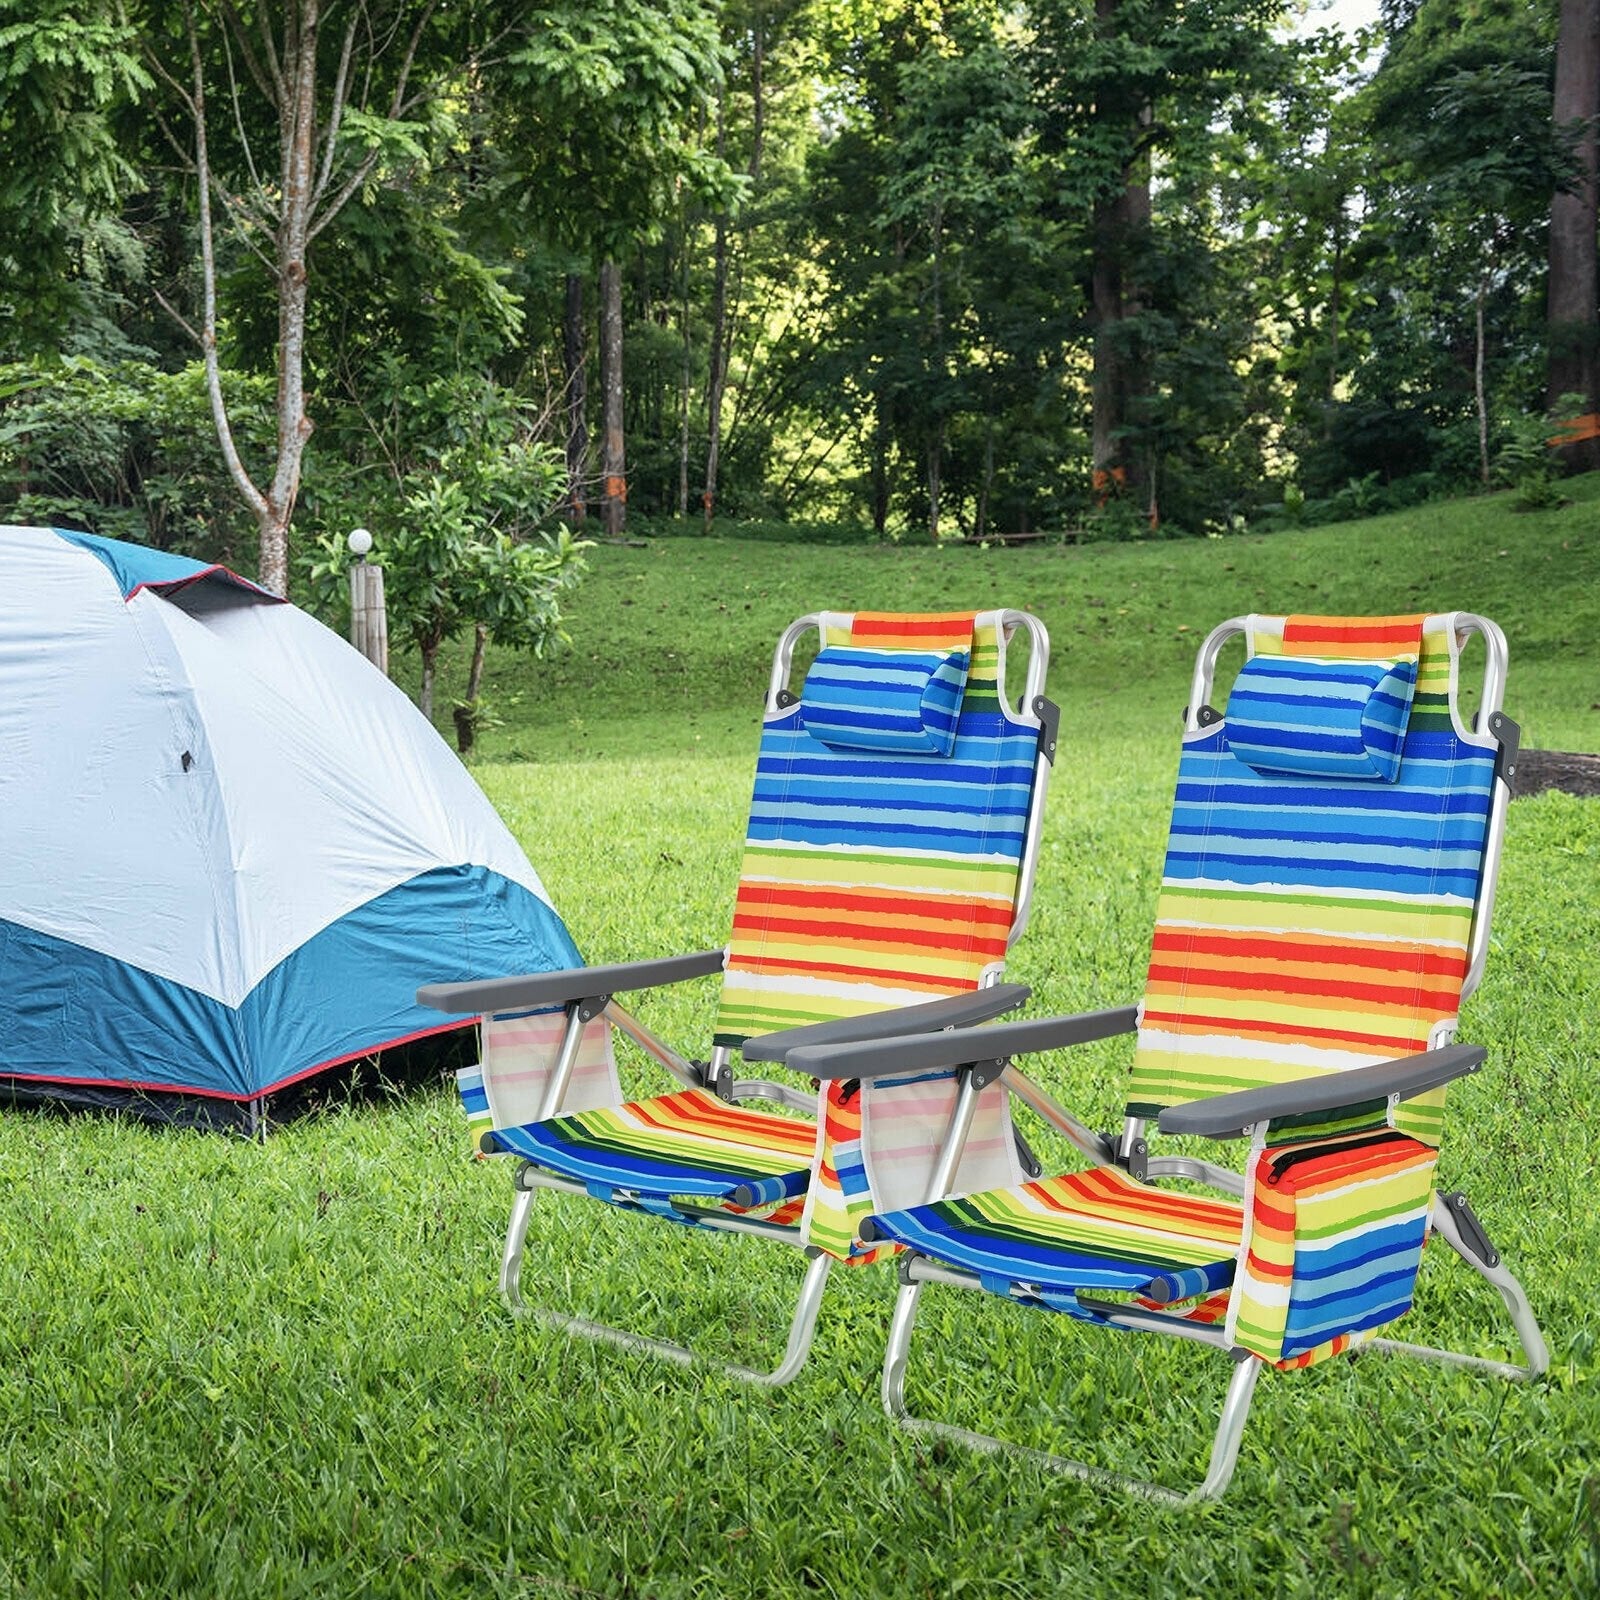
(484, 276)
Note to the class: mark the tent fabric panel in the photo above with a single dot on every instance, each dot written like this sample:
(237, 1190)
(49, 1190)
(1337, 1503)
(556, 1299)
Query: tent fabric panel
(352, 987)
(335, 788)
(110, 835)
(72, 1014)
(136, 566)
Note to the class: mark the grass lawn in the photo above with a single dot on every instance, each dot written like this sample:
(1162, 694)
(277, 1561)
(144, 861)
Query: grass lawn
(282, 1369)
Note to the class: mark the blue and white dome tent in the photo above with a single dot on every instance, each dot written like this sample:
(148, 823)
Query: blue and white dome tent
(230, 848)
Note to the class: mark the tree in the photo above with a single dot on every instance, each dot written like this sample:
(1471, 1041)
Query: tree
(338, 117)
(1574, 293)
(1115, 82)
(464, 545)
(601, 103)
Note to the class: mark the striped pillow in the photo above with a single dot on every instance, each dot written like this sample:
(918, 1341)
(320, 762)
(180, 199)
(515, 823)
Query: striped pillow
(1314, 716)
(904, 701)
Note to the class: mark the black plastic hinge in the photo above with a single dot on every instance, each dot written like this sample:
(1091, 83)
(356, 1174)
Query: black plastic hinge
(1049, 715)
(1509, 734)
(985, 1072)
(1031, 1164)
(719, 1080)
(1207, 716)
(786, 698)
(591, 1007)
(1137, 1161)
(1472, 1234)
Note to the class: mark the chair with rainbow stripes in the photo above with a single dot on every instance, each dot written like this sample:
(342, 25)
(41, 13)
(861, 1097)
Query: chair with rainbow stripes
(1324, 909)
(887, 868)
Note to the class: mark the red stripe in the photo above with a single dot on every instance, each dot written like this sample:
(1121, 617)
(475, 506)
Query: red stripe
(1402, 631)
(1265, 947)
(821, 898)
(875, 624)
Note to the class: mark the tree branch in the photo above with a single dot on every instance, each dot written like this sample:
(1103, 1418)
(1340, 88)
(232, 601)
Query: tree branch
(208, 265)
(330, 138)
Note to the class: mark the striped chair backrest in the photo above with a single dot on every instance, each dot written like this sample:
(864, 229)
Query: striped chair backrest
(1313, 923)
(875, 878)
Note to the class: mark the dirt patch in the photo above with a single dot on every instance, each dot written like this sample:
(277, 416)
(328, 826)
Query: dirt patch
(1538, 770)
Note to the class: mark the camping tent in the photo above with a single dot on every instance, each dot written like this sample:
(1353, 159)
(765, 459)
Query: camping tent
(230, 849)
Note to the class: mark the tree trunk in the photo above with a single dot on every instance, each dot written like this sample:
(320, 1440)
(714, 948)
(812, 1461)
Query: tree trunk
(466, 714)
(936, 443)
(613, 468)
(686, 377)
(880, 466)
(1118, 221)
(430, 659)
(1477, 388)
(717, 372)
(1573, 306)
(289, 211)
(575, 375)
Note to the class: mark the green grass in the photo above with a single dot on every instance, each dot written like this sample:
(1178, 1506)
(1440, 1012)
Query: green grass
(282, 1369)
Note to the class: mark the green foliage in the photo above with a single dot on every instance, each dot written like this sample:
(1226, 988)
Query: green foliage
(64, 66)
(127, 450)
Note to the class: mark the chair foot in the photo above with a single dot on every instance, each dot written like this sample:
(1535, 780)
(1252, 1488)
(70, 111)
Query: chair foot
(802, 1325)
(1224, 1448)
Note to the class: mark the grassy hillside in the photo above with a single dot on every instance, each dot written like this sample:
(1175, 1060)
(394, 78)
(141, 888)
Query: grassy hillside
(282, 1369)
(675, 637)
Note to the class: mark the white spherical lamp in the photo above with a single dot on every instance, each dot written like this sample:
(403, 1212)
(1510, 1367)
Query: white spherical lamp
(360, 542)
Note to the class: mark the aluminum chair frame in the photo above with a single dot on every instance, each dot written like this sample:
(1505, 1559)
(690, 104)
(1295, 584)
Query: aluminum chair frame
(588, 993)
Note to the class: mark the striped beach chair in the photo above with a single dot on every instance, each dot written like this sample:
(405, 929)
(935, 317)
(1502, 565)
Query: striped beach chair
(890, 851)
(1324, 909)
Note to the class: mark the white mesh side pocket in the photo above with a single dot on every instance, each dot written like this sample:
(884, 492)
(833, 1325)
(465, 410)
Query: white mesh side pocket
(903, 1126)
(518, 1053)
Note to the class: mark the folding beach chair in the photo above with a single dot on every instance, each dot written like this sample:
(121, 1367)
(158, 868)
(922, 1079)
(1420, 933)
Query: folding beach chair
(1325, 906)
(891, 847)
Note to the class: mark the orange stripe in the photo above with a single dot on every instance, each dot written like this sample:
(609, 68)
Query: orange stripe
(861, 936)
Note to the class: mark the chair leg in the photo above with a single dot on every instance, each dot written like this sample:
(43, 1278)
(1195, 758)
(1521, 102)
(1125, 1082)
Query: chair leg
(511, 1255)
(1224, 1448)
(802, 1325)
(1493, 1270)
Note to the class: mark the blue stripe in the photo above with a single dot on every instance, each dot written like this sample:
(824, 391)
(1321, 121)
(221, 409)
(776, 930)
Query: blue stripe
(546, 1146)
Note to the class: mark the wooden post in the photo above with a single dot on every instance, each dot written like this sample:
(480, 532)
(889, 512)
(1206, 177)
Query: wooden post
(369, 618)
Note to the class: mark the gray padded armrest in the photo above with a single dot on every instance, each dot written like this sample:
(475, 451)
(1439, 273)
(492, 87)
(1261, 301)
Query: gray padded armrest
(1226, 1116)
(488, 995)
(954, 1011)
(932, 1052)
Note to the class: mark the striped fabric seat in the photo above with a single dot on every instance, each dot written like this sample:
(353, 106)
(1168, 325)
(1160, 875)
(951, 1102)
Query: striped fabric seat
(1306, 924)
(690, 1145)
(1086, 1230)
